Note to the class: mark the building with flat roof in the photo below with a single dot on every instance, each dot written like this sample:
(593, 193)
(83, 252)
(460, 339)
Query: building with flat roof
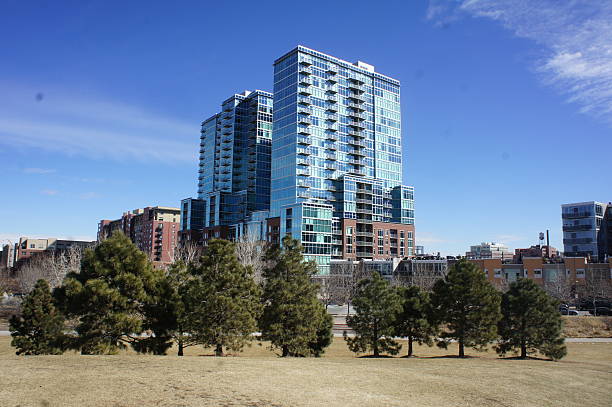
(586, 226)
(489, 250)
(154, 230)
(337, 159)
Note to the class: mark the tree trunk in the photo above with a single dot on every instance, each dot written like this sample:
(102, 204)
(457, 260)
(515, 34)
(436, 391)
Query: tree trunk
(523, 350)
(461, 348)
(180, 347)
(285, 351)
(219, 350)
(409, 346)
(348, 308)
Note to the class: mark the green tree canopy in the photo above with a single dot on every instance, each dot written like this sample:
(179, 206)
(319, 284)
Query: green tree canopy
(108, 296)
(40, 328)
(531, 322)
(376, 305)
(414, 321)
(293, 319)
(223, 299)
(468, 305)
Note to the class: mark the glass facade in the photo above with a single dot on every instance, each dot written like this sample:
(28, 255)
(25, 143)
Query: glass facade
(584, 230)
(235, 148)
(336, 142)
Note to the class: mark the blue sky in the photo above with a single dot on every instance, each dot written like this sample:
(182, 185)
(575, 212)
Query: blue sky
(507, 105)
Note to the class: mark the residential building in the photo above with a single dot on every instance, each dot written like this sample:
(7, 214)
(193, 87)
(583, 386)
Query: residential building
(489, 250)
(585, 230)
(234, 170)
(154, 230)
(14, 255)
(337, 159)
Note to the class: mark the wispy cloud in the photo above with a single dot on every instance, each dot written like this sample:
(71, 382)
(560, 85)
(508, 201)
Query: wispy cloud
(508, 238)
(77, 125)
(38, 171)
(49, 192)
(576, 40)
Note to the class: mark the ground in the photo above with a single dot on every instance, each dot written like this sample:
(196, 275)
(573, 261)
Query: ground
(258, 377)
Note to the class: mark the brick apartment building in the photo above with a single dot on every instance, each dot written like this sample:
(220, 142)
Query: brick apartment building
(14, 255)
(154, 230)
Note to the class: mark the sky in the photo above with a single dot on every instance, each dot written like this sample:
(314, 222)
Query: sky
(506, 104)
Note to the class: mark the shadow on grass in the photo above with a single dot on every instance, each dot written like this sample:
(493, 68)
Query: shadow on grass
(526, 358)
(375, 357)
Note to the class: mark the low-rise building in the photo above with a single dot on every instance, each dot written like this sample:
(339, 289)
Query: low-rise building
(489, 250)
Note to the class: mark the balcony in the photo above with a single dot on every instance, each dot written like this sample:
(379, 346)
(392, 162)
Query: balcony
(356, 142)
(364, 201)
(332, 98)
(304, 131)
(356, 162)
(331, 70)
(356, 124)
(331, 136)
(356, 106)
(305, 92)
(303, 172)
(305, 140)
(332, 117)
(304, 161)
(582, 240)
(356, 115)
(332, 157)
(305, 70)
(303, 194)
(576, 228)
(364, 254)
(364, 234)
(332, 109)
(575, 215)
(364, 191)
(332, 126)
(304, 120)
(305, 80)
(358, 153)
(356, 133)
(305, 110)
(356, 87)
(304, 183)
(303, 151)
(304, 100)
(356, 171)
(305, 62)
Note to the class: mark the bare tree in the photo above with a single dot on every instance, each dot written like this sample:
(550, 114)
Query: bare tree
(251, 253)
(343, 281)
(559, 287)
(188, 252)
(52, 266)
(326, 294)
(421, 274)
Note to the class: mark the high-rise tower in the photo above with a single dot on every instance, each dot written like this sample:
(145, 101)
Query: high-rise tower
(337, 160)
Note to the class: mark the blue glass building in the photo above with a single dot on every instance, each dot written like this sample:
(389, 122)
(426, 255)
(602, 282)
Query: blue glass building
(336, 157)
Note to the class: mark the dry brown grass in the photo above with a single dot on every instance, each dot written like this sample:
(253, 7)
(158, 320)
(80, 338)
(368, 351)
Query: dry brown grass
(587, 327)
(258, 378)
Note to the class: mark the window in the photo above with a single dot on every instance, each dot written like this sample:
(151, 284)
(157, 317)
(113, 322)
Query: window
(579, 273)
(537, 273)
(381, 250)
(486, 271)
(497, 273)
(349, 248)
(349, 230)
(32, 246)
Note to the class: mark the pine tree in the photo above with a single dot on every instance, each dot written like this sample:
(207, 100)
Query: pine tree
(109, 295)
(293, 318)
(376, 305)
(40, 328)
(531, 322)
(168, 312)
(469, 306)
(414, 321)
(226, 300)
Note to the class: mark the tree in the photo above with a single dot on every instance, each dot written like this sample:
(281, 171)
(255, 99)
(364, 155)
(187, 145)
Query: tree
(469, 306)
(414, 320)
(293, 318)
(226, 300)
(531, 322)
(250, 252)
(109, 295)
(40, 328)
(343, 281)
(52, 266)
(376, 304)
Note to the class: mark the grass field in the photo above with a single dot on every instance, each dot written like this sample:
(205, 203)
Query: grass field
(259, 378)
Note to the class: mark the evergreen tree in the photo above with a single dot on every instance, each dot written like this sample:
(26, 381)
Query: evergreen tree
(376, 305)
(109, 295)
(40, 328)
(469, 306)
(414, 320)
(225, 298)
(168, 313)
(531, 322)
(293, 319)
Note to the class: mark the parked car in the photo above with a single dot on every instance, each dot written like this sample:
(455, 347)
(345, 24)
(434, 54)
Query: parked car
(566, 311)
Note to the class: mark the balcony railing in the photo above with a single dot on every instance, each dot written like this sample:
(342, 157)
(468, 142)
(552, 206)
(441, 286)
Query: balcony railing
(574, 215)
(582, 240)
(576, 228)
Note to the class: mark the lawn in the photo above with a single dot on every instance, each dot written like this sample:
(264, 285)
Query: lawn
(259, 378)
